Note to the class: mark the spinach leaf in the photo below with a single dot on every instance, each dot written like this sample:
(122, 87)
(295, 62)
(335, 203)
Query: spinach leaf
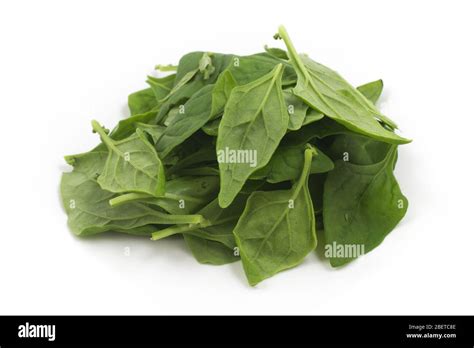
(184, 195)
(128, 126)
(277, 228)
(212, 127)
(246, 69)
(161, 86)
(142, 101)
(312, 116)
(195, 70)
(154, 130)
(217, 224)
(89, 163)
(196, 112)
(188, 147)
(255, 119)
(88, 208)
(200, 171)
(372, 90)
(89, 211)
(209, 252)
(132, 165)
(297, 110)
(358, 149)
(277, 52)
(362, 204)
(326, 91)
(204, 155)
(287, 163)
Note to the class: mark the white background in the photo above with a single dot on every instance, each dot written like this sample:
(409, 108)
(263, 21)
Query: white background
(63, 63)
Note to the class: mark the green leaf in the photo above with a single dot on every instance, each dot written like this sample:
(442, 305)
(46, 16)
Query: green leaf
(255, 119)
(362, 204)
(277, 52)
(287, 163)
(206, 154)
(246, 69)
(132, 165)
(205, 65)
(184, 195)
(155, 131)
(161, 86)
(372, 90)
(127, 127)
(89, 163)
(88, 209)
(326, 91)
(358, 149)
(212, 127)
(196, 112)
(325, 126)
(220, 232)
(320, 129)
(209, 252)
(200, 171)
(221, 93)
(192, 76)
(312, 116)
(296, 109)
(217, 225)
(277, 228)
(142, 101)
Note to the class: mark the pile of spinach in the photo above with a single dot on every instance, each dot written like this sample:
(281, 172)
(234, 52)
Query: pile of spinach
(323, 160)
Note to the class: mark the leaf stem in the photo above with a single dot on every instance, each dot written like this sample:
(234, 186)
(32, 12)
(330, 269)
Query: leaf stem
(178, 229)
(127, 198)
(292, 53)
(308, 156)
(184, 219)
(103, 135)
(164, 68)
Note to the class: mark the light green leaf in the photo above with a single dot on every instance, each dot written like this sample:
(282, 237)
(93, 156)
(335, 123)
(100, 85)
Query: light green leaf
(255, 119)
(372, 90)
(296, 109)
(132, 165)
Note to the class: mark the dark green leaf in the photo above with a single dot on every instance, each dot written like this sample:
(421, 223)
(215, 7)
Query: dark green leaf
(362, 204)
(326, 91)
